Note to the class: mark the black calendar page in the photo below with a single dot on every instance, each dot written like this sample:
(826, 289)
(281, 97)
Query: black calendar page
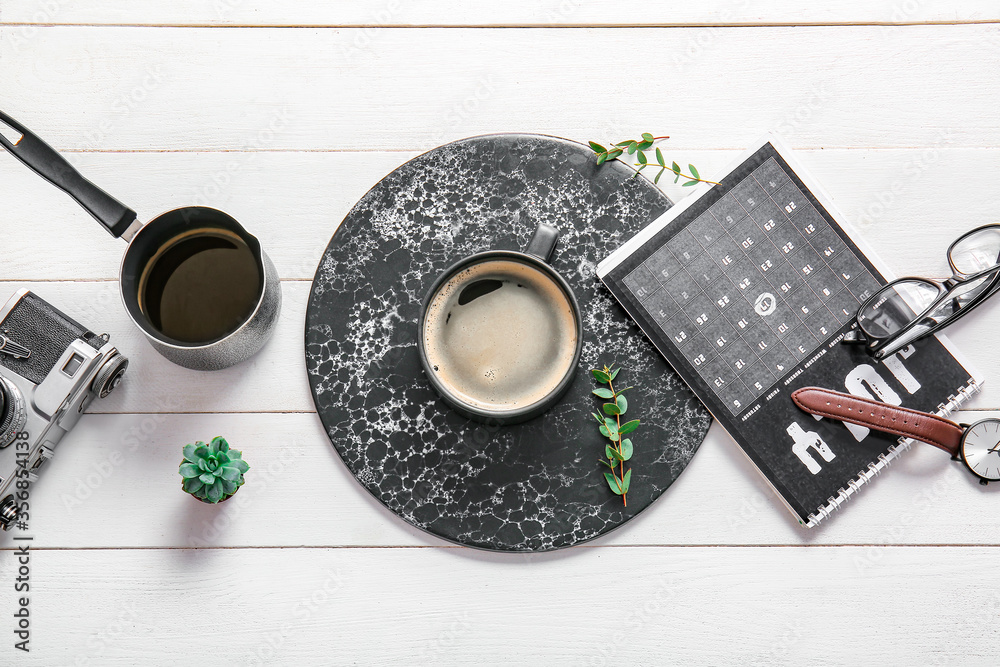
(747, 293)
(750, 282)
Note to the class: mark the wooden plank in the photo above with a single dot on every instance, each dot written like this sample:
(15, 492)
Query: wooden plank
(515, 12)
(454, 607)
(152, 381)
(292, 201)
(274, 380)
(183, 89)
(299, 493)
(895, 197)
(295, 201)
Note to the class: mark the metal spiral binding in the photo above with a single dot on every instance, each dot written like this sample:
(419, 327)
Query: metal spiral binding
(953, 403)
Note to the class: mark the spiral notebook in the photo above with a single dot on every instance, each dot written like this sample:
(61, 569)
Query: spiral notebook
(747, 288)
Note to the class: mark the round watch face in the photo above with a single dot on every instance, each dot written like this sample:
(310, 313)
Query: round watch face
(981, 448)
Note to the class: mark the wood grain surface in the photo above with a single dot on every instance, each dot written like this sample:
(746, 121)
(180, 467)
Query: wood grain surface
(382, 13)
(284, 115)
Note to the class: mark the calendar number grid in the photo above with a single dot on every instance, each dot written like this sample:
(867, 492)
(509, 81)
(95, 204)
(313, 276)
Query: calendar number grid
(752, 286)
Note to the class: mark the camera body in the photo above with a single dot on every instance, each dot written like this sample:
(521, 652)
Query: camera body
(51, 369)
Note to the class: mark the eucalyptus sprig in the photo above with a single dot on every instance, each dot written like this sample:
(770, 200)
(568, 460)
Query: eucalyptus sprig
(612, 428)
(638, 147)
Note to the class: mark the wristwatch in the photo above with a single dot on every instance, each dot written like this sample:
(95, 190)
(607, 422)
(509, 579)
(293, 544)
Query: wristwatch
(976, 445)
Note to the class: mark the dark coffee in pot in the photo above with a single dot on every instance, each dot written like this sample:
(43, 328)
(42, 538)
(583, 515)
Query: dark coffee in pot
(501, 334)
(200, 286)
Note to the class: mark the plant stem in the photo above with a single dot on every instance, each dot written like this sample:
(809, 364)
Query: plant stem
(655, 139)
(618, 445)
(682, 174)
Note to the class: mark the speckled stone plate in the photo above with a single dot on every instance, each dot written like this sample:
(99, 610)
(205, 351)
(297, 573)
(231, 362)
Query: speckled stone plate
(534, 486)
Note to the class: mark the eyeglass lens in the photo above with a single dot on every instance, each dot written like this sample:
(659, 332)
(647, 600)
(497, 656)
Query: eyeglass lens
(961, 296)
(977, 252)
(896, 306)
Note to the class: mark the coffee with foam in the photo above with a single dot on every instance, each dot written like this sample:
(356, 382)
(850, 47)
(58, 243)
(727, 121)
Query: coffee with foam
(500, 334)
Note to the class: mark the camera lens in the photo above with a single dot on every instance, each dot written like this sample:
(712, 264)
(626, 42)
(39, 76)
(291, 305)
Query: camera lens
(12, 415)
(109, 375)
(8, 512)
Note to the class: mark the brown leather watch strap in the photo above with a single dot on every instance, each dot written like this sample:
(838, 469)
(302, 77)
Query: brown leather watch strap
(922, 426)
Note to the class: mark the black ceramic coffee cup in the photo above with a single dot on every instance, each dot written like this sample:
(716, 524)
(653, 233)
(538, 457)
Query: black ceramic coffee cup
(500, 333)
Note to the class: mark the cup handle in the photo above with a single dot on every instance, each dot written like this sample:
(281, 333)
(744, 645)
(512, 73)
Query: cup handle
(543, 243)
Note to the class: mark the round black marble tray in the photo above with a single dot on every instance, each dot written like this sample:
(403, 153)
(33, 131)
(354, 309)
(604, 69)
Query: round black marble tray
(529, 487)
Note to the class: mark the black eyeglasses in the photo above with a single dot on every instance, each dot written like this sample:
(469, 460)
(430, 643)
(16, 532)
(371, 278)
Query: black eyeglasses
(909, 309)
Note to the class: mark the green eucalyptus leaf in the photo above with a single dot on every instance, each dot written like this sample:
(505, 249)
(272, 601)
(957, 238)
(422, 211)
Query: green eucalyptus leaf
(599, 418)
(659, 157)
(627, 480)
(641, 157)
(676, 168)
(626, 446)
(677, 178)
(614, 152)
(694, 172)
(600, 376)
(601, 158)
(689, 183)
(613, 483)
(641, 167)
(597, 148)
(605, 462)
(645, 145)
(647, 136)
(624, 143)
(603, 392)
(605, 432)
(612, 427)
(610, 452)
(628, 427)
(611, 409)
(622, 403)
(657, 179)
(614, 373)
(632, 147)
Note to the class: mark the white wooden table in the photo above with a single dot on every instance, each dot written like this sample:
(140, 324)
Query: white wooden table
(284, 114)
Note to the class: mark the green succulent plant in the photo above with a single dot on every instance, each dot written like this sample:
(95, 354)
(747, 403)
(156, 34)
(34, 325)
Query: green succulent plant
(212, 472)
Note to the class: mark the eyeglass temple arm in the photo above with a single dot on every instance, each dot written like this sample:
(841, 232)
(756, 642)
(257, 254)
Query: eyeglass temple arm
(917, 331)
(914, 333)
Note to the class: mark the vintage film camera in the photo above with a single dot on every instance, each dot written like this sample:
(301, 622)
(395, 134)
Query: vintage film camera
(51, 368)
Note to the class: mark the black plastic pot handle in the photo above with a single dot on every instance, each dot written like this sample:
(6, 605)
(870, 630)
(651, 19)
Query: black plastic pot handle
(53, 167)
